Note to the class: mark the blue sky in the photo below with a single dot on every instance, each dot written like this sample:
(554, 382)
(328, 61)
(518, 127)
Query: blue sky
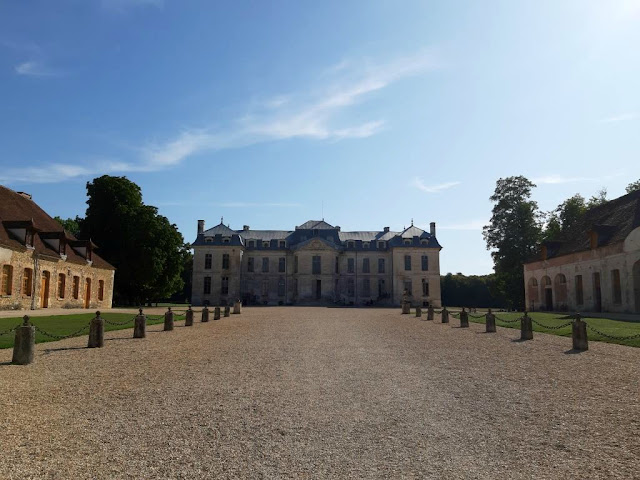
(271, 113)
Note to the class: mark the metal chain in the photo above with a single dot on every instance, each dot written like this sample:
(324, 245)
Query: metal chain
(456, 315)
(118, 324)
(551, 328)
(61, 337)
(6, 332)
(506, 321)
(475, 316)
(612, 337)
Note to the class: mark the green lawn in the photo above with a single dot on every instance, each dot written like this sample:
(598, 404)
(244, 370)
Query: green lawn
(67, 324)
(617, 328)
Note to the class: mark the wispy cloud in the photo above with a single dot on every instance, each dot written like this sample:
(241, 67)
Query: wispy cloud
(312, 115)
(555, 179)
(419, 184)
(624, 117)
(471, 225)
(35, 68)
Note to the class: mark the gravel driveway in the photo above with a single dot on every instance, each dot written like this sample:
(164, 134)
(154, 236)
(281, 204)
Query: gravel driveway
(322, 393)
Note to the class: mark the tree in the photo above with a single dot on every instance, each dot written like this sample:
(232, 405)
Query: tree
(513, 233)
(598, 199)
(632, 187)
(146, 249)
(71, 225)
(564, 217)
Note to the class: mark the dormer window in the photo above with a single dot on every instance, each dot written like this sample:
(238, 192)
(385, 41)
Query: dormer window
(28, 238)
(365, 245)
(226, 240)
(252, 244)
(381, 244)
(208, 240)
(265, 244)
(283, 244)
(407, 241)
(350, 244)
(423, 243)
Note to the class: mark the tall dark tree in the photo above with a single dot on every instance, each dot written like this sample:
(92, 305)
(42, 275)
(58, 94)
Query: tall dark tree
(146, 249)
(633, 186)
(512, 234)
(71, 225)
(598, 199)
(565, 216)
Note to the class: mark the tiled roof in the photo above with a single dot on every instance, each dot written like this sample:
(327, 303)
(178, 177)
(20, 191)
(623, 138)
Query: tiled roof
(15, 207)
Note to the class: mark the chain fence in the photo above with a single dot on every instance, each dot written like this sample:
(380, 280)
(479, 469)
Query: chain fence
(475, 316)
(613, 337)
(546, 327)
(506, 321)
(118, 324)
(61, 337)
(12, 329)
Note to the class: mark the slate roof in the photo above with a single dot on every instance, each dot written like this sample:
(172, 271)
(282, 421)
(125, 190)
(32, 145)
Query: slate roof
(315, 225)
(15, 207)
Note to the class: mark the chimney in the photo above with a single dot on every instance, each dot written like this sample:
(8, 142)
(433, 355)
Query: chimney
(386, 229)
(246, 228)
(25, 195)
(200, 226)
(433, 228)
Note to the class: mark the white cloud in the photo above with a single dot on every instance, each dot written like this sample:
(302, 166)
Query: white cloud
(624, 117)
(419, 183)
(36, 69)
(556, 179)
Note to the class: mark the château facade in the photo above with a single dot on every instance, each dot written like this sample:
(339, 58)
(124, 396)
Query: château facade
(316, 263)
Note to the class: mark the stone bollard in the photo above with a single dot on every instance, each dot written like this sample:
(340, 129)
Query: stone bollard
(188, 318)
(464, 319)
(445, 315)
(25, 343)
(96, 332)
(490, 322)
(526, 327)
(216, 313)
(140, 325)
(227, 310)
(237, 307)
(579, 334)
(430, 313)
(168, 320)
(205, 314)
(406, 308)
(418, 311)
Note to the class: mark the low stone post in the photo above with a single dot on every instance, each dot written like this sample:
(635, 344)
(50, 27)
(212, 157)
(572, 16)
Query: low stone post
(490, 322)
(406, 308)
(526, 327)
(25, 343)
(205, 314)
(216, 313)
(96, 332)
(227, 310)
(430, 313)
(188, 318)
(237, 307)
(579, 334)
(168, 320)
(464, 319)
(418, 311)
(140, 325)
(445, 315)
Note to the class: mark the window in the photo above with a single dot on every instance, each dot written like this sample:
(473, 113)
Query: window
(407, 262)
(408, 286)
(381, 265)
(425, 287)
(337, 265)
(61, 285)
(615, 286)
(76, 287)
(27, 282)
(295, 287)
(316, 265)
(425, 263)
(226, 240)
(381, 244)
(295, 264)
(350, 245)
(351, 265)
(382, 290)
(100, 290)
(282, 265)
(250, 264)
(265, 265)
(281, 287)
(224, 287)
(366, 288)
(407, 241)
(579, 291)
(265, 244)
(207, 261)
(208, 240)
(7, 280)
(265, 288)
(365, 265)
(225, 261)
(366, 245)
(283, 244)
(252, 244)
(350, 287)
(423, 243)
(207, 285)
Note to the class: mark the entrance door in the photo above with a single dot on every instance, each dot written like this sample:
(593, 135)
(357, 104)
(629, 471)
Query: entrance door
(597, 293)
(318, 289)
(636, 284)
(87, 294)
(548, 299)
(44, 290)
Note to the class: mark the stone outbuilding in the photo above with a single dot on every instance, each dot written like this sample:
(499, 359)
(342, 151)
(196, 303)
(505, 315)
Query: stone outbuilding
(44, 266)
(595, 267)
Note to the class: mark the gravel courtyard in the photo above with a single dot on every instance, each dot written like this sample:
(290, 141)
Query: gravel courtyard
(322, 393)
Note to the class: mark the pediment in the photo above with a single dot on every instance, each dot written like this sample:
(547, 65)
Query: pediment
(316, 244)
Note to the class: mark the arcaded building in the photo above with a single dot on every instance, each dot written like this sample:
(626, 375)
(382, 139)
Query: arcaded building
(595, 267)
(316, 263)
(42, 265)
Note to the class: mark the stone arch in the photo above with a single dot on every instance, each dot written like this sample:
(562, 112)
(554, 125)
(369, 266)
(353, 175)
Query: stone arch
(546, 293)
(636, 284)
(560, 291)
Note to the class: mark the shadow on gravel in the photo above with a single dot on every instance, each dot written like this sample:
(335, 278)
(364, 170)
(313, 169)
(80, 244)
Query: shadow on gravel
(5, 363)
(118, 338)
(518, 340)
(573, 351)
(47, 351)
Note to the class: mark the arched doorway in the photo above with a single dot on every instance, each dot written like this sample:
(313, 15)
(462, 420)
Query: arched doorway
(44, 290)
(636, 284)
(546, 293)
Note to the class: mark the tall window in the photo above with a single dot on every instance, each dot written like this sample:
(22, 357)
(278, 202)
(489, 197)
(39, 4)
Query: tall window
(76, 287)
(224, 288)
(207, 261)
(265, 264)
(295, 264)
(425, 263)
(316, 265)
(281, 287)
(100, 290)
(407, 262)
(225, 261)
(351, 265)
(250, 264)
(265, 288)
(27, 282)
(366, 288)
(382, 290)
(281, 265)
(283, 243)
(350, 287)
(381, 265)
(408, 286)
(6, 286)
(615, 286)
(207, 285)
(61, 285)
(337, 265)
(579, 290)
(425, 287)
(365, 265)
